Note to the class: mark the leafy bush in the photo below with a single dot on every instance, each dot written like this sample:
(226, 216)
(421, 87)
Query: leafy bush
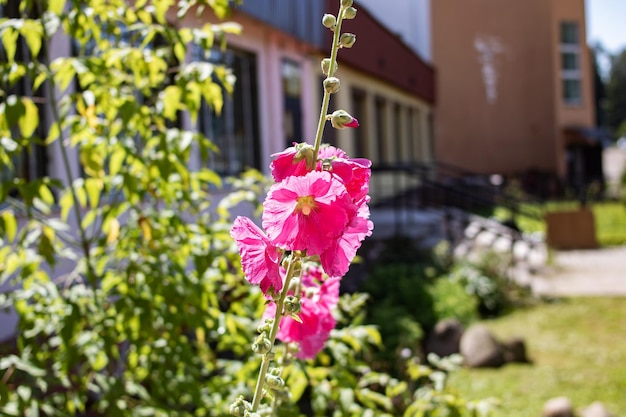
(452, 300)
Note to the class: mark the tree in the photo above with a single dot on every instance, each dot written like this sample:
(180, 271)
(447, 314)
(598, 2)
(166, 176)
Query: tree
(616, 95)
(151, 313)
(597, 53)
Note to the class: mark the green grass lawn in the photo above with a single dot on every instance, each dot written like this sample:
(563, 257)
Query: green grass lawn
(578, 349)
(610, 219)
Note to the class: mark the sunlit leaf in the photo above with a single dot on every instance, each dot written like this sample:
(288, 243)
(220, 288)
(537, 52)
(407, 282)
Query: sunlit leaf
(32, 31)
(9, 223)
(9, 41)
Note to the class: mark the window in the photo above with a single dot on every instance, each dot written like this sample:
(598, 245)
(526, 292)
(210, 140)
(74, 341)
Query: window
(397, 133)
(292, 90)
(235, 130)
(570, 50)
(381, 130)
(361, 148)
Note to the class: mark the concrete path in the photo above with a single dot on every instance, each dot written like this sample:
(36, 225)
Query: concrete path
(599, 272)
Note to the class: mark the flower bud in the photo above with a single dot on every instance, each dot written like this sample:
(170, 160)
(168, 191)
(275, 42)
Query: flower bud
(331, 85)
(262, 344)
(266, 326)
(274, 382)
(329, 21)
(349, 13)
(346, 3)
(240, 407)
(347, 40)
(326, 65)
(293, 304)
(306, 152)
(341, 119)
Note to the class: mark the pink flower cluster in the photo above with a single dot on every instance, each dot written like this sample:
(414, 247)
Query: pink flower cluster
(318, 206)
(320, 298)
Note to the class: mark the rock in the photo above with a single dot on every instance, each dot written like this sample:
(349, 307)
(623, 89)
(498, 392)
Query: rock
(480, 348)
(445, 338)
(596, 409)
(515, 350)
(558, 407)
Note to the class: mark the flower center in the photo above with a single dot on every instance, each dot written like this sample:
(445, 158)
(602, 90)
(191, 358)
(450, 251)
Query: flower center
(305, 204)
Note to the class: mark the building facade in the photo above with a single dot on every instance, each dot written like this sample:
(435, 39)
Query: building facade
(514, 85)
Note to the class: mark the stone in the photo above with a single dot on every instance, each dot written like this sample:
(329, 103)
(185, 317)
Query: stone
(515, 350)
(558, 407)
(445, 338)
(596, 409)
(480, 349)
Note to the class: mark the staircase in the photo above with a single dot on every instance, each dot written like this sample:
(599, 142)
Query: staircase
(433, 202)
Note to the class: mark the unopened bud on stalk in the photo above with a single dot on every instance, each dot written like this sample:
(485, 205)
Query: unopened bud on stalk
(349, 13)
(329, 21)
(347, 40)
(326, 65)
(341, 119)
(346, 3)
(274, 382)
(240, 407)
(262, 344)
(266, 326)
(293, 304)
(331, 85)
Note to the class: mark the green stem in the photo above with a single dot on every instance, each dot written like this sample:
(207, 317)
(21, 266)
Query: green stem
(260, 383)
(66, 166)
(331, 71)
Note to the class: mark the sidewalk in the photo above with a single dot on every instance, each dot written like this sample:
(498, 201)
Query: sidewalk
(599, 272)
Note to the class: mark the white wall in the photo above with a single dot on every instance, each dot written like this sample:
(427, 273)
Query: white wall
(410, 19)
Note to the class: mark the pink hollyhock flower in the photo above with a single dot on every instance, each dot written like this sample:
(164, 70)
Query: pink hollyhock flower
(316, 316)
(260, 259)
(337, 257)
(295, 160)
(354, 172)
(307, 213)
(330, 152)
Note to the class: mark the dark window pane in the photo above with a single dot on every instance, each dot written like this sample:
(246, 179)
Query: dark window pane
(569, 33)
(569, 61)
(572, 91)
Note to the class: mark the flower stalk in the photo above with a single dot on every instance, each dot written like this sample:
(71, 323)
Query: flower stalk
(331, 72)
(267, 357)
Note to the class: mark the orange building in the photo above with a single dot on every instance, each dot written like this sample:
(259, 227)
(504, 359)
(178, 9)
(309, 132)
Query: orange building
(514, 88)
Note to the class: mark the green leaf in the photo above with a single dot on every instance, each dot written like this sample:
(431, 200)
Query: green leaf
(209, 176)
(116, 160)
(32, 31)
(99, 361)
(45, 247)
(66, 203)
(161, 7)
(45, 194)
(94, 187)
(64, 71)
(10, 224)
(14, 110)
(171, 101)
(56, 6)
(29, 120)
(9, 40)
(39, 79)
(53, 133)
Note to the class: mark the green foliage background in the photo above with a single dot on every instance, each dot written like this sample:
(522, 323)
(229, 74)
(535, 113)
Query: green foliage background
(154, 317)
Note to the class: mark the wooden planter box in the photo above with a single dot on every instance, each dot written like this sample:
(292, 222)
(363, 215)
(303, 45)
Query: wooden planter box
(574, 229)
